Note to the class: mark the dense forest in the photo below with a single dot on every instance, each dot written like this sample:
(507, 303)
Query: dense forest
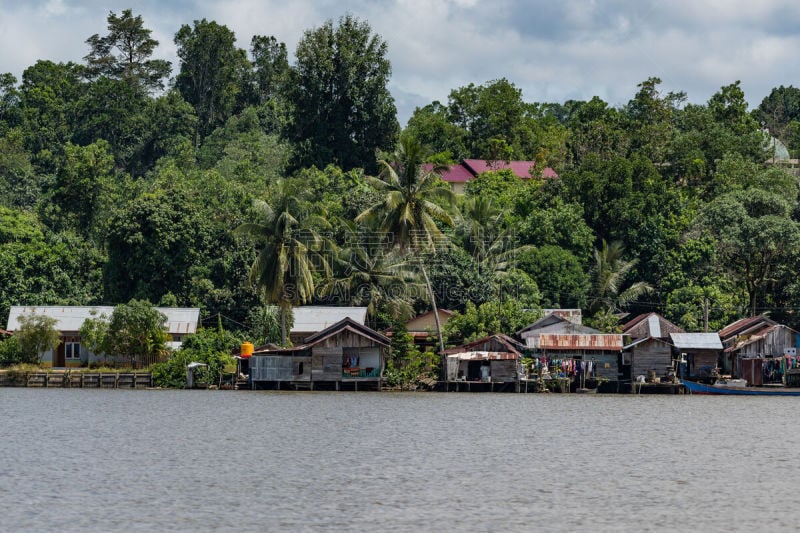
(239, 179)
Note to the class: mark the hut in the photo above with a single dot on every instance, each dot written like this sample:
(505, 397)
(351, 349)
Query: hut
(701, 352)
(492, 359)
(345, 352)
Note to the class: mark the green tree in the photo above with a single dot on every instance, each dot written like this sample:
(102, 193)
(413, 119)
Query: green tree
(270, 74)
(156, 243)
(125, 54)
(411, 208)
(211, 74)
(290, 250)
(36, 334)
(755, 236)
(137, 333)
(343, 110)
(94, 333)
(609, 273)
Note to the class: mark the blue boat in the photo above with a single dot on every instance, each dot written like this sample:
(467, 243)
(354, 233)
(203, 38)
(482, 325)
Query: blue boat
(700, 388)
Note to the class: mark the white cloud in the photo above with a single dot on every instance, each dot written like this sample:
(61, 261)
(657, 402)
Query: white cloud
(552, 51)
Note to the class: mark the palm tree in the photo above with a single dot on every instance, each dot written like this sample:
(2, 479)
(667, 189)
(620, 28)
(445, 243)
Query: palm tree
(370, 275)
(608, 275)
(290, 250)
(411, 208)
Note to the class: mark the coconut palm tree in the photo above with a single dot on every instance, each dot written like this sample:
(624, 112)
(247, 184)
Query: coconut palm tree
(290, 250)
(366, 273)
(411, 207)
(608, 276)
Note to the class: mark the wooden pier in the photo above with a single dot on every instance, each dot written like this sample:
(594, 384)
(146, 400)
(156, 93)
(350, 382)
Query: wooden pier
(77, 380)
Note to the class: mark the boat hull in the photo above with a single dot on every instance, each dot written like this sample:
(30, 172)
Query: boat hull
(700, 388)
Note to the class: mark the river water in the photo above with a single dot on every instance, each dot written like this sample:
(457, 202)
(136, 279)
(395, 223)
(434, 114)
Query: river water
(115, 460)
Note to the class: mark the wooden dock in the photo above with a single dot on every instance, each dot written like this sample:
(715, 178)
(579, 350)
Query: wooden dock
(77, 380)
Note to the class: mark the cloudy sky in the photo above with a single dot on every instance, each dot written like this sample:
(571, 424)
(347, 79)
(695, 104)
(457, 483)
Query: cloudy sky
(552, 50)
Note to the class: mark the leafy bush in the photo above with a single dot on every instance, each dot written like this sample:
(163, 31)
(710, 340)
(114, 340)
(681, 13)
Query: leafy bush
(208, 346)
(10, 353)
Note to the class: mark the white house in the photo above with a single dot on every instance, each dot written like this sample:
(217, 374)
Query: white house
(69, 319)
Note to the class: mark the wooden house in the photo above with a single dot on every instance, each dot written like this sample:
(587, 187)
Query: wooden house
(491, 359)
(344, 352)
(603, 350)
(650, 356)
(701, 352)
(72, 352)
(553, 324)
(650, 325)
(757, 337)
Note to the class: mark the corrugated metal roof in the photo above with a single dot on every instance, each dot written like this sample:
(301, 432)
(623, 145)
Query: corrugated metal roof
(466, 171)
(645, 339)
(180, 320)
(736, 328)
(314, 318)
(605, 341)
(699, 341)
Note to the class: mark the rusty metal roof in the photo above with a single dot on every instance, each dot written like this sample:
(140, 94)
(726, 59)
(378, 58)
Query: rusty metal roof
(601, 341)
(743, 324)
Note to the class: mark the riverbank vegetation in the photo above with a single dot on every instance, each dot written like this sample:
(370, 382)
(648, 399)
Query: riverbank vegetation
(124, 179)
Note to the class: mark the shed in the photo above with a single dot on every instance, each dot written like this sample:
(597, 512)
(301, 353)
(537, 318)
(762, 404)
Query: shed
(494, 358)
(702, 352)
(755, 337)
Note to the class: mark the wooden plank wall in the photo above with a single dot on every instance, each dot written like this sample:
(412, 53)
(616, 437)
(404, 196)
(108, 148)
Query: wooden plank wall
(503, 370)
(651, 356)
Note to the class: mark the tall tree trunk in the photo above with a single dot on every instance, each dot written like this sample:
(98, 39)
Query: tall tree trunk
(433, 303)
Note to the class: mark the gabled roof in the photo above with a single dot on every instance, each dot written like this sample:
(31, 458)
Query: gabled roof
(509, 344)
(754, 335)
(644, 340)
(346, 324)
(446, 312)
(697, 341)
(554, 323)
(314, 318)
(180, 320)
(745, 325)
(650, 325)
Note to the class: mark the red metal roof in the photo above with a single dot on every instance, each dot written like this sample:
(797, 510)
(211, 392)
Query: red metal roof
(453, 174)
(470, 168)
(554, 341)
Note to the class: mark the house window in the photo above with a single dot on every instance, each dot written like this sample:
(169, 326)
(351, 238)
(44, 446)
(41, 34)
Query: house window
(176, 338)
(72, 350)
